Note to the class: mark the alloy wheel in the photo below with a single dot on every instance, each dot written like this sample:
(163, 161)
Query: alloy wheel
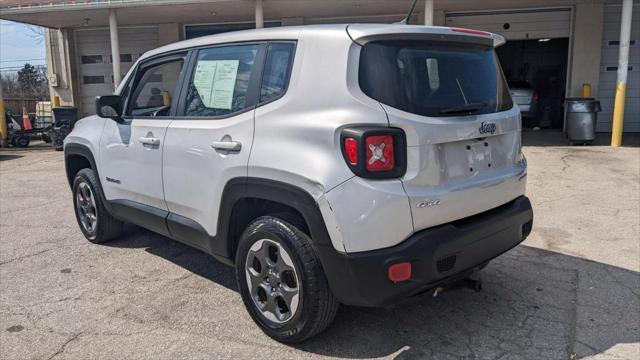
(272, 280)
(86, 206)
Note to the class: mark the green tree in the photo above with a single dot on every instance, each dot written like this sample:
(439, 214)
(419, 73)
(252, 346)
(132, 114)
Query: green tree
(33, 82)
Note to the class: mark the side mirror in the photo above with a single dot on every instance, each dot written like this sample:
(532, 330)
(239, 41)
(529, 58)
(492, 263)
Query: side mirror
(109, 106)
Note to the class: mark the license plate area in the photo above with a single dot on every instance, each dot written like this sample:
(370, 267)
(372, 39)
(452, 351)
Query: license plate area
(478, 155)
(463, 159)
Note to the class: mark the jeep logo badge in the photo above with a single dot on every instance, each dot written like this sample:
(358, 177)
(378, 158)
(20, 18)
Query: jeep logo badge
(487, 128)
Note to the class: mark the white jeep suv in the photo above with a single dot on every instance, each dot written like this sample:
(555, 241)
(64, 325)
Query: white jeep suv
(355, 164)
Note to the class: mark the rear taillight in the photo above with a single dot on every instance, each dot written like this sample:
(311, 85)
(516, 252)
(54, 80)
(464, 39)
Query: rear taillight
(380, 156)
(378, 153)
(350, 146)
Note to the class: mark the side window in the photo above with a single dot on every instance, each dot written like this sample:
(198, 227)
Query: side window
(276, 71)
(220, 81)
(155, 89)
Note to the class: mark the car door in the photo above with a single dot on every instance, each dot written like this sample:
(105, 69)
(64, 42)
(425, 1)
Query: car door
(209, 143)
(131, 150)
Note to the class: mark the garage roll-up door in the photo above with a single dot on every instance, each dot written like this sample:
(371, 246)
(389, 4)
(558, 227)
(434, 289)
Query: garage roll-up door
(95, 69)
(609, 69)
(516, 24)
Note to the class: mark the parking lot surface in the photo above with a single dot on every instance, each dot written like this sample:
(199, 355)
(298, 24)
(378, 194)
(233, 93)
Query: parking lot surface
(571, 290)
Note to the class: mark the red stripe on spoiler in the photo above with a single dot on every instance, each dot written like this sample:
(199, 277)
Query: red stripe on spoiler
(471, 31)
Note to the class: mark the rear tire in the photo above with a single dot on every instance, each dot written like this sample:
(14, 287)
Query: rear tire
(96, 223)
(267, 246)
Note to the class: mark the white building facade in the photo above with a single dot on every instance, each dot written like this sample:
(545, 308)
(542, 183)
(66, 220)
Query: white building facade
(558, 46)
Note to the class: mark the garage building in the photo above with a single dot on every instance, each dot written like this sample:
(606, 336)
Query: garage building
(553, 46)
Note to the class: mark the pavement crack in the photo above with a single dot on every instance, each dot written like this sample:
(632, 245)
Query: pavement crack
(63, 347)
(25, 256)
(30, 207)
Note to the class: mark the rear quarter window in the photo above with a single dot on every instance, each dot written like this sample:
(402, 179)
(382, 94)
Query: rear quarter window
(434, 78)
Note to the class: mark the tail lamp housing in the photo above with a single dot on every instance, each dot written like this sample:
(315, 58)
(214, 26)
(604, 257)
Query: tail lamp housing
(375, 152)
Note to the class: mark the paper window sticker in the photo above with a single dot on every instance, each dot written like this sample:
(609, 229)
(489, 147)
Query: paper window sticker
(224, 84)
(203, 80)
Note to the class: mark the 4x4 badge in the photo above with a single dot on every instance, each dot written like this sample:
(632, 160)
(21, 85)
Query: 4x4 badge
(487, 128)
(428, 203)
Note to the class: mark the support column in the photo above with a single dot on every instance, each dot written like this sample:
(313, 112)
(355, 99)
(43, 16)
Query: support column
(259, 15)
(428, 12)
(115, 47)
(623, 64)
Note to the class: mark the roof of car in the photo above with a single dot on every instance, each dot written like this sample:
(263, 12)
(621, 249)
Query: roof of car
(356, 31)
(279, 33)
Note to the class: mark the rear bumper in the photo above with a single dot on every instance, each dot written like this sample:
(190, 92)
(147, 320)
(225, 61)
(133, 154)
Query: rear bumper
(438, 255)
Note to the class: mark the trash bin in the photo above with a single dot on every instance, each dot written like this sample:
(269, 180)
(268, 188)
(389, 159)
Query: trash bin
(581, 115)
(64, 118)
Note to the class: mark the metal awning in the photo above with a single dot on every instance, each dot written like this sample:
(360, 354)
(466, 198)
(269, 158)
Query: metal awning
(95, 13)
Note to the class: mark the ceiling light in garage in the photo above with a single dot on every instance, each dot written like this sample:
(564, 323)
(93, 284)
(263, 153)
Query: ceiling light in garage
(544, 40)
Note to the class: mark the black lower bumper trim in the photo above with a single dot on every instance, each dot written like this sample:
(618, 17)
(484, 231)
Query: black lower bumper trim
(438, 255)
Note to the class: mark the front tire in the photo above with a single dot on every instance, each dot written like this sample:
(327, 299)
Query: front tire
(96, 223)
(281, 281)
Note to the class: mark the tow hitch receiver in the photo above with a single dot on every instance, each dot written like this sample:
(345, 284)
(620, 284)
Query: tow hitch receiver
(466, 283)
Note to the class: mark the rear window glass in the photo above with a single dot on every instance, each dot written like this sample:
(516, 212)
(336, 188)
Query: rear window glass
(276, 71)
(434, 78)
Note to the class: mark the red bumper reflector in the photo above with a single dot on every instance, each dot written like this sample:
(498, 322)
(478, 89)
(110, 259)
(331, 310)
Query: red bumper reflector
(400, 272)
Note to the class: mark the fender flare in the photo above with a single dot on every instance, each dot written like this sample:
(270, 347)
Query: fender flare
(84, 151)
(240, 188)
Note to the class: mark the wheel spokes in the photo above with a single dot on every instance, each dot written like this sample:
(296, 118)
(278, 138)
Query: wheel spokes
(86, 205)
(272, 280)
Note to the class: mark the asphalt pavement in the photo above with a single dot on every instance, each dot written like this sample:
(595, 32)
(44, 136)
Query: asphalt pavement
(570, 291)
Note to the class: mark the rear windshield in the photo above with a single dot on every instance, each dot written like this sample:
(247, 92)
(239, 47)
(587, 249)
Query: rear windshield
(434, 78)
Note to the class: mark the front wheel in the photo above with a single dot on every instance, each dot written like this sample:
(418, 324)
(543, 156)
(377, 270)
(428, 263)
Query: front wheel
(281, 281)
(96, 223)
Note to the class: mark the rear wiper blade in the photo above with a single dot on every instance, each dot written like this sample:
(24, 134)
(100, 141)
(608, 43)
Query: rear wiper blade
(470, 107)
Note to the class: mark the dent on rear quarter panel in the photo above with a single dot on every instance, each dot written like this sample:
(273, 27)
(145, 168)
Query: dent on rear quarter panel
(370, 214)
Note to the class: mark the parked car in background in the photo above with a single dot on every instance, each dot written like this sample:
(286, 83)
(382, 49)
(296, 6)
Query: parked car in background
(357, 164)
(525, 97)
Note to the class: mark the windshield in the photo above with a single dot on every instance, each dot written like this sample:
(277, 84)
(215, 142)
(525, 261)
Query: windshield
(434, 78)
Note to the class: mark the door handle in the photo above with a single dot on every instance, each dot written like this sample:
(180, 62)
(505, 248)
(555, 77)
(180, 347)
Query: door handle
(150, 141)
(227, 145)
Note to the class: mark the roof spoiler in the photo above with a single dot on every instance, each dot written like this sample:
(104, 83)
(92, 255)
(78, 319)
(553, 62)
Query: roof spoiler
(363, 33)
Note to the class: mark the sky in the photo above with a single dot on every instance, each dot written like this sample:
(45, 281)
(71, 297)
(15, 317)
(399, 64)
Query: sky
(19, 44)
